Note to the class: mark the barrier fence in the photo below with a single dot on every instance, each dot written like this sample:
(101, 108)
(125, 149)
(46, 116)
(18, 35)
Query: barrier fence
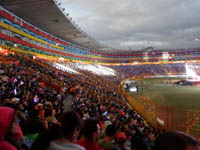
(165, 117)
(193, 122)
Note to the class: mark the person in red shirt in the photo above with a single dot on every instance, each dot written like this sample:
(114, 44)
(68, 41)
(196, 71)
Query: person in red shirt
(89, 134)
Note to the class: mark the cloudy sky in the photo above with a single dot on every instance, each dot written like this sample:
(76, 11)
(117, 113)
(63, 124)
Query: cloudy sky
(137, 24)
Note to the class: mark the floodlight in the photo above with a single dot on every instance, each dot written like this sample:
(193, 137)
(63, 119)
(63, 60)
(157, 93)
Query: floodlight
(133, 89)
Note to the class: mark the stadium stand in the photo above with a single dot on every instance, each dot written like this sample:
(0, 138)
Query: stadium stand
(18, 33)
(34, 89)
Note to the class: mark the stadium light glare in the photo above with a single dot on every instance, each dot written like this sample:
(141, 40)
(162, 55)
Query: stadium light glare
(165, 55)
(191, 75)
(133, 89)
(197, 39)
(97, 69)
(64, 68)
(135, 63)
(61, 58)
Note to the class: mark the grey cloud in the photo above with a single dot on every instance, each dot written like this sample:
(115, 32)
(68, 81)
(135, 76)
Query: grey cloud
(137, 24)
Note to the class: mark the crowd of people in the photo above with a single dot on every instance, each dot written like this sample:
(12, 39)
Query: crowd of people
(128, 71)
(34, 112)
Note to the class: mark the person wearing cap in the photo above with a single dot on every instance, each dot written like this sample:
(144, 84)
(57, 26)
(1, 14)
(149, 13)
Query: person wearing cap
(121, 140)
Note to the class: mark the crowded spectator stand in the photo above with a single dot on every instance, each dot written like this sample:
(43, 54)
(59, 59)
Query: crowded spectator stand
(35, 91)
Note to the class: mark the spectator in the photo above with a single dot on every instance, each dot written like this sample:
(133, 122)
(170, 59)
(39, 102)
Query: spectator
(176, 141)
(138, 143)
(121, 140)
(34, 124)
(89, 135)
(106, 143)
(62, 136)
(10, 133)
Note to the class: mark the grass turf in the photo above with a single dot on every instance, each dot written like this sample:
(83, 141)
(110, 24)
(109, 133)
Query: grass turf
(163, 91)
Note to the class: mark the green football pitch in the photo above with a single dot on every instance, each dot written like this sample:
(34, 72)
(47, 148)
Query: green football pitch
(168, 102)
(165, 92)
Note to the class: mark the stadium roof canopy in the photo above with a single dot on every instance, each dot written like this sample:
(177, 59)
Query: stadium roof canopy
(50, 17)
